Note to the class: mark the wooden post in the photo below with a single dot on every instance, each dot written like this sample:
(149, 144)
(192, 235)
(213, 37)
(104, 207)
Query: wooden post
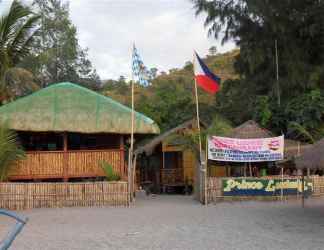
(198, 121)
(282, 179)
(121, 147)
(65, 157)
(303, 189)
(134, 174)
(245, 169)
(129, 177)
(206, 175)
(250, 169)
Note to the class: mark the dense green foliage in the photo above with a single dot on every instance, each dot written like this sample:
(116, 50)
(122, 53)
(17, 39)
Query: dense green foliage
(10, 151)
(17, 32)
(298, 28)
(56, 55)
(111, 175)
(170, 99)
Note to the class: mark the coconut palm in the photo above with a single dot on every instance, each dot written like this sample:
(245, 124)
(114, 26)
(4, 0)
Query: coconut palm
(10, 151)
(17, 30)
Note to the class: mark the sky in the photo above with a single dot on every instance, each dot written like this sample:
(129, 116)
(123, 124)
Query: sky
(165, 33)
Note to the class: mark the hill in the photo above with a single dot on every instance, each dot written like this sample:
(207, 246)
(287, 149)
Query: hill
(170, 98)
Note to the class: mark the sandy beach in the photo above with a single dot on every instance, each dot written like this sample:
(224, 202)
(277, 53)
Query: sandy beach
(175, 222)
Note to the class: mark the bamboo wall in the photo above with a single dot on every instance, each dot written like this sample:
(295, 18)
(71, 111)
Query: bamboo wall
(214, 189)
(189, 161)
(59, 164)
(318, 185)
(19, 196)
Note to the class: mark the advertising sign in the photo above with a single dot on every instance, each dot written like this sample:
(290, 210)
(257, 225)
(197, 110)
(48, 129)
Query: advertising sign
(264, 187)
(245, 150)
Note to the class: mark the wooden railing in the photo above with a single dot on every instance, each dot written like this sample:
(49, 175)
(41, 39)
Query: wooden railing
(172, 176)
(70, 164)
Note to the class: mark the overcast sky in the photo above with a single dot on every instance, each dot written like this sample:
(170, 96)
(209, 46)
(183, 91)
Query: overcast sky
(165, 33)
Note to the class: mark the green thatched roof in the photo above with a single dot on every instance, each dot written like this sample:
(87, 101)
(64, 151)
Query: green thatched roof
(72, 108)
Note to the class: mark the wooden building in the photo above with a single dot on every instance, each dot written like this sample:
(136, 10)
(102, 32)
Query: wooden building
(67, 130)
(165, 162)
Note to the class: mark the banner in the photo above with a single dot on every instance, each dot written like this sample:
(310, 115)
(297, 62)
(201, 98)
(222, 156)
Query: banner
(245, 150)
(264, 187)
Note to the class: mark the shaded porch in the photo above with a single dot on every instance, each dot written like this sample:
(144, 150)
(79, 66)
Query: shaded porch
(74, 156)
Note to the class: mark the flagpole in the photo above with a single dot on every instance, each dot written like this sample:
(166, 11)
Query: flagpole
(198, 121)
(131, 149)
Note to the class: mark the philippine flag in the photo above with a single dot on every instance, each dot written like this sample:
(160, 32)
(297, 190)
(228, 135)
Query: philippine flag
(204, 77)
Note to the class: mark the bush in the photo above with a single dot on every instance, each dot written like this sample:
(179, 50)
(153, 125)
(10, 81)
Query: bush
(111, 175)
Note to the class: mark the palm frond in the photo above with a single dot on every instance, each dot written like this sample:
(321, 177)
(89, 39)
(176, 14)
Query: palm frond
(10, 151)
(300, 131)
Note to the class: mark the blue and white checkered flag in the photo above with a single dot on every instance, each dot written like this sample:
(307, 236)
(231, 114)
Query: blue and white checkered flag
(140, 72)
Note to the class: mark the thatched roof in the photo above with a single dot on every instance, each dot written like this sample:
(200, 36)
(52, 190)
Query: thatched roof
(294, 148)
(249, 130)
(72, 108)
(313, 157)
(149, 147)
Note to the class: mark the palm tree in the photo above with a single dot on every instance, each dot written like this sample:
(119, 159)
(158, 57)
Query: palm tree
(17, 30)
(10, 151)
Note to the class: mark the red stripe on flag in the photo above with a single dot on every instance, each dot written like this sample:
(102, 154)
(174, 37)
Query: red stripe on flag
(207, 84)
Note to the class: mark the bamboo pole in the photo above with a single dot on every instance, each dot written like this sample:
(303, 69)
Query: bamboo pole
(282, 179)
(250, 169)
(199, 138)
(198, 120)
(245, 169)
(65, 157)
(303, 189)
(134, 175)
(277, 73)
(130, 158)
(206, 174)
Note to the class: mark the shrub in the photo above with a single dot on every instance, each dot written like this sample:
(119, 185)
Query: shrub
(111, 175)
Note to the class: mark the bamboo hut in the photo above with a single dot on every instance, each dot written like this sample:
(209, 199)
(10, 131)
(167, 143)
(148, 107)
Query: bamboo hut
(312, 157)
(249, 130)
(165, 163)
(67, 130)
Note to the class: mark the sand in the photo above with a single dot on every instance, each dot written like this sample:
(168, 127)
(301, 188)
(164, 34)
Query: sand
(175, 222)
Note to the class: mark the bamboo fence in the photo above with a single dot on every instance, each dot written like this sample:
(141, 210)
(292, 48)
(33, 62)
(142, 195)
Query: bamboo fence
(19, 196)
(215, 190)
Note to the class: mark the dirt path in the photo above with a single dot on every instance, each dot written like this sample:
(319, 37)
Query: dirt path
(176, 222)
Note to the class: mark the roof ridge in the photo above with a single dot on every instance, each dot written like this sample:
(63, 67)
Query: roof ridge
(75, 85)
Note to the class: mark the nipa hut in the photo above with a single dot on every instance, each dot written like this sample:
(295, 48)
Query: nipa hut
(165, 163)
(67, 130)
(249, 130)
(312, 157)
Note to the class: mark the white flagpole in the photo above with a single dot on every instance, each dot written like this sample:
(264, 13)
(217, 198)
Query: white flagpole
(197, 113)
(201, 173)
(131, 149)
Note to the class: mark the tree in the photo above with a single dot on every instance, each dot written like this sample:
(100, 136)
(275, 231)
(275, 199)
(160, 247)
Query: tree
(212, 50)
(18, 28)
(153, 73)
(57, 55)
(298, 28)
